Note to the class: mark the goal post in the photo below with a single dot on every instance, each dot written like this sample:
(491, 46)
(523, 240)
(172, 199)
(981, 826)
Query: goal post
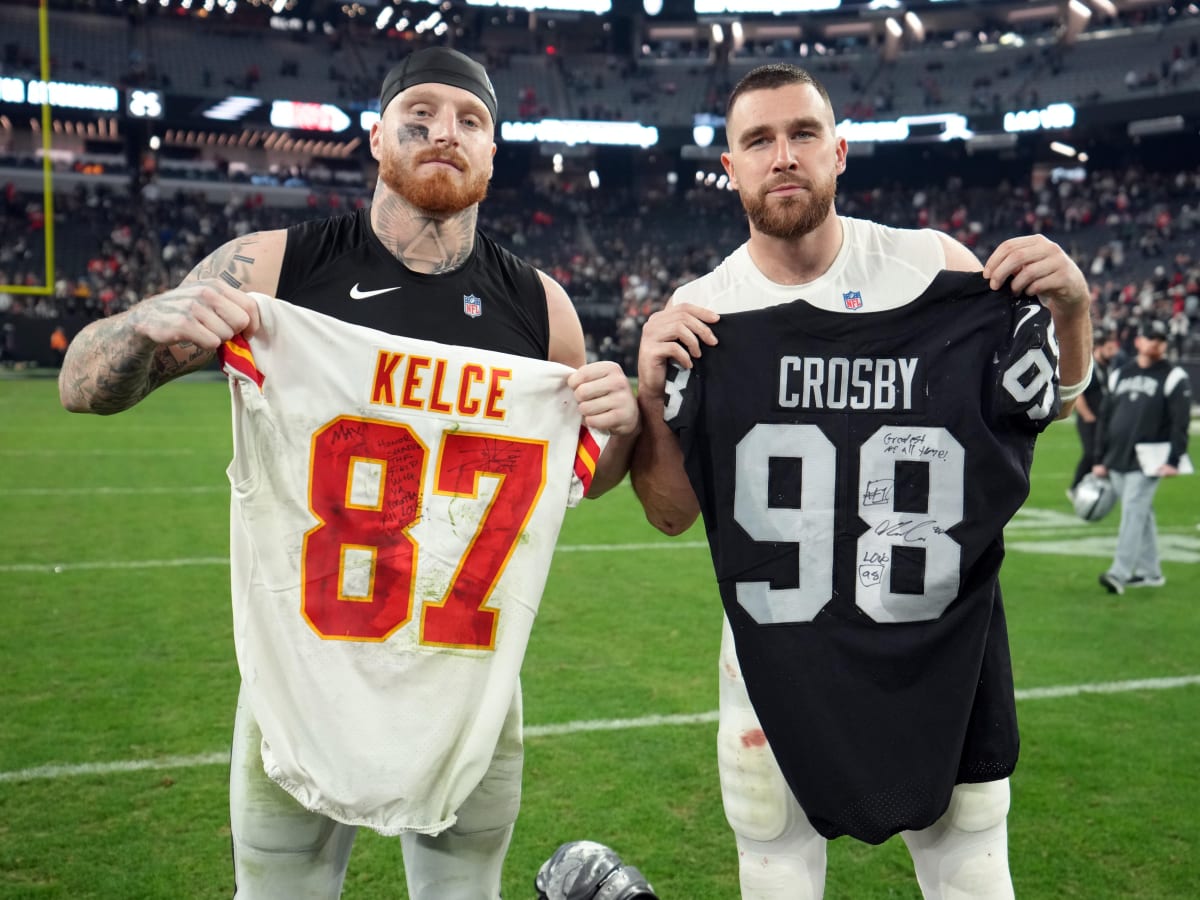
(47, 172)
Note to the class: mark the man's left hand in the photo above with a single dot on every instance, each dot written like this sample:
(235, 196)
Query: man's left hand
(605, 399)
(1039, 267)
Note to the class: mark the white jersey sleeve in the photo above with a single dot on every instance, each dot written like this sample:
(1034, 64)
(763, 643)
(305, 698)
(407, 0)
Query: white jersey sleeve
(395, 505)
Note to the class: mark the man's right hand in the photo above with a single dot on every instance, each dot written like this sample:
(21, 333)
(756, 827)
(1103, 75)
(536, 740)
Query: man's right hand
(675, 333)
(202, 313)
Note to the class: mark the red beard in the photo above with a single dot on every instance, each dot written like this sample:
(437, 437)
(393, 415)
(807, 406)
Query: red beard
(435, 190)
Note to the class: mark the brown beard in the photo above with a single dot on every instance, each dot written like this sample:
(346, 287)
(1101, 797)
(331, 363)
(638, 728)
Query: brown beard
(790, 217)
(436, 192)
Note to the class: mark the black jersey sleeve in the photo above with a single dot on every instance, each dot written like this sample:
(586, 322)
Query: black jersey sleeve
(1026, 370)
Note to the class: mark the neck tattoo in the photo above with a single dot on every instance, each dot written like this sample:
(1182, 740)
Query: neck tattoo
(422, 242)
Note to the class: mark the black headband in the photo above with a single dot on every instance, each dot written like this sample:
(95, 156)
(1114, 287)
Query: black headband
(439, 65)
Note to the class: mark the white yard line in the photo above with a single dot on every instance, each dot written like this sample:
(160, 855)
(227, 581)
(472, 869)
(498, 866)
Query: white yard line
(104, 491)
(55, 772)
(83, 451)
(60, 567)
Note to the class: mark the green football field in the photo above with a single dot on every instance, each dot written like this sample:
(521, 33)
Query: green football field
(119, 683)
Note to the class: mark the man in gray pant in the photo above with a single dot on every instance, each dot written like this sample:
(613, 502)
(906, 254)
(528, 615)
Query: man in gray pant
(1149, 401)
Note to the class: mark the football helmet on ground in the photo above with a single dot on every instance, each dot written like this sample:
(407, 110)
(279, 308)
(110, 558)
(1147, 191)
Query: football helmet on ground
(585, 870)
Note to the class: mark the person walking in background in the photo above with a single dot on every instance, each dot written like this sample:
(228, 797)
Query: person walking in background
(856, 424)
(1105, 347)
(366, 702)
(1149, 402)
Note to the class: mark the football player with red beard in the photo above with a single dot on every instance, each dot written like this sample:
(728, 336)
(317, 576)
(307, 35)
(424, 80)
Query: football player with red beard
(415, 266)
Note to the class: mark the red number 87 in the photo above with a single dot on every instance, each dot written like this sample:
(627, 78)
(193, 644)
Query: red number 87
(358, 563)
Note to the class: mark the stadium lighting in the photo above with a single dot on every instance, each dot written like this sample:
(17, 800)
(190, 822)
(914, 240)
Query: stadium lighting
(232, 108)
(308, 116)
(738, 35)
(953, 127)
(775, 7)
(428, 22)
(1056, 115)
(652, 7)
(915, 26)
(589, 6)
(574, 131)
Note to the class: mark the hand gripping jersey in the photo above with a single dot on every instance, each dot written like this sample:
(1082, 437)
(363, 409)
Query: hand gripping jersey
(395, 505)
(855, 473)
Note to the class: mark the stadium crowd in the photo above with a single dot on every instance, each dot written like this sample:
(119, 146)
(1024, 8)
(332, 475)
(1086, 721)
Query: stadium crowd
(621, 254)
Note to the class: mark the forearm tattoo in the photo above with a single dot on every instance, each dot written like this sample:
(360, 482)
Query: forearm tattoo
(101, 373)
(109, 368)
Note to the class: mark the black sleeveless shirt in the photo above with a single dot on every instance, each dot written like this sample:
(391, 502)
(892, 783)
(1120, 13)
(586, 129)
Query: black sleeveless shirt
(493, 301)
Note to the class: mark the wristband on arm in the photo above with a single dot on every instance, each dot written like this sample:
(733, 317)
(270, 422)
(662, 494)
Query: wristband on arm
(1068, 392)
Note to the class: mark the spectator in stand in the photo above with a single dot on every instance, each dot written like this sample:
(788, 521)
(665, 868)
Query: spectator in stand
(58, 344)
(1178, 327)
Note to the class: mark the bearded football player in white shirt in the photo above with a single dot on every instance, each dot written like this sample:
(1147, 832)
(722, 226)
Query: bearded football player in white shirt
(835, 398)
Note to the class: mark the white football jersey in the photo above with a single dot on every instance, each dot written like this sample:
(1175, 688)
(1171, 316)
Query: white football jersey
(878, 267)
(395, 505)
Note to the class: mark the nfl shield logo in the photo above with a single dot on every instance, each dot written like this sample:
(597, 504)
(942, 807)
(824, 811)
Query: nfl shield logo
(852, 299)
(472, 306)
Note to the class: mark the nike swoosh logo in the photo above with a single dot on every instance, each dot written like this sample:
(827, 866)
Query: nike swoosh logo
(356, 294)
(1026, 314)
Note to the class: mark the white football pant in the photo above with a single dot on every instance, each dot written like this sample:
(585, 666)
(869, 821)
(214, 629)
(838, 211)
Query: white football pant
(282, 851)
(962, 856)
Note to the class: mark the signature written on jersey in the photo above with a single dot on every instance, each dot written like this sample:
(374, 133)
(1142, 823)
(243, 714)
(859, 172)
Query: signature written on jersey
(432, 384)
(840, 383)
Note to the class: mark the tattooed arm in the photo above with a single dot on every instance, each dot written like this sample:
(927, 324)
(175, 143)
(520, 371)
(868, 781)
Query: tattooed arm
(114, 362)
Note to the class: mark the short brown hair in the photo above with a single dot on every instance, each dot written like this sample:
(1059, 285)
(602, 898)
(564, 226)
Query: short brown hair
(774, 75)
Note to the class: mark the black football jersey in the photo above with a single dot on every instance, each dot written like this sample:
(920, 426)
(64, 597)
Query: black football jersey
(855, 473)
(494, 301)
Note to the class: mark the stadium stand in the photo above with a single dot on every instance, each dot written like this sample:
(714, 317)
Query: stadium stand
(1129, 218)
